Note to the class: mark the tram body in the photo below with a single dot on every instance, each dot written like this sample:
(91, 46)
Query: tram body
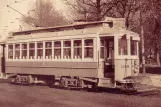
(86, 55)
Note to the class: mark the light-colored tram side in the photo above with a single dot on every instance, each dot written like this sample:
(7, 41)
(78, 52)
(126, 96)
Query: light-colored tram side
(99, 54)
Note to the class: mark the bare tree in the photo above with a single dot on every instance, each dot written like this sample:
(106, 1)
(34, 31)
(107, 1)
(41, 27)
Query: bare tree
(125, 9)
(97, 9)
(91, 10)
(44, 14)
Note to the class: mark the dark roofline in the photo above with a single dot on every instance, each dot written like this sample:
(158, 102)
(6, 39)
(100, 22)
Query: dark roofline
(60, 28)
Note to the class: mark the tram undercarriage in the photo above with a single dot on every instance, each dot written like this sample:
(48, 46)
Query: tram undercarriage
(130, 85)
(56, 81)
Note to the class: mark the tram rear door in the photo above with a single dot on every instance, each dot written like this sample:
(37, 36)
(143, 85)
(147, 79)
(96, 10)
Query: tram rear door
(107, 54)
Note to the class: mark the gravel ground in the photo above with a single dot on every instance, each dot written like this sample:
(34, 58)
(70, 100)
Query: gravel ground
(43, 96)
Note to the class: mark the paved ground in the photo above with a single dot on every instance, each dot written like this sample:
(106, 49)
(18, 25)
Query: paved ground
(43, 96)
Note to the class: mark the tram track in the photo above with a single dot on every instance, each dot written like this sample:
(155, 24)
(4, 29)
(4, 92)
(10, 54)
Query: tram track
(41, 95)
(100, 90)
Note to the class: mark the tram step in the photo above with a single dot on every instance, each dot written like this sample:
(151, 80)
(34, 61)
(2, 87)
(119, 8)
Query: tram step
(145, 92)
(148, 90)
(106, 82)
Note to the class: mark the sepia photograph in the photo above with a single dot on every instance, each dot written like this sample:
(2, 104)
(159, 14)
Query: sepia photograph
(80, 53)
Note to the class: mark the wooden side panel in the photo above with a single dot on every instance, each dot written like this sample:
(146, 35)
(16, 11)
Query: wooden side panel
(52, 64)
(86, 69)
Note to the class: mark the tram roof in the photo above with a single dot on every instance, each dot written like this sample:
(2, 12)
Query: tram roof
(111, 27)
(93, 31)
(76, 25)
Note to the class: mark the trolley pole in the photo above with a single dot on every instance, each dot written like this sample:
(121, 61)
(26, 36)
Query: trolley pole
(16, 10)
(142, 40)
(19, 13)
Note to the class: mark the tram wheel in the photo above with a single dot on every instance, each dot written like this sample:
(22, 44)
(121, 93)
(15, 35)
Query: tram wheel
(30, 79)
(62, 83)
(17, 79)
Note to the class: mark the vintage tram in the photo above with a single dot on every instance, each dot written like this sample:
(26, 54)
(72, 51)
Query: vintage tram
(81, 55)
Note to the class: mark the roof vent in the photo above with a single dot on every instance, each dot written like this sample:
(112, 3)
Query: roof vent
(117, 22)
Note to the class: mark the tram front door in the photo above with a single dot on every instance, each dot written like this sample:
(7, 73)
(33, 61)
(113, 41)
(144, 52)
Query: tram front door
(109, 57)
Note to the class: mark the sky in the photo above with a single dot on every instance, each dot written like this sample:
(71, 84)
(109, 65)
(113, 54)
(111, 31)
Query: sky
(10, 20)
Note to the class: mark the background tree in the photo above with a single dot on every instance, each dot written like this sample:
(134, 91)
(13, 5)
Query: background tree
(152, 28)
(91, 10)
(126, 9)
(44, 14)
(96, 10)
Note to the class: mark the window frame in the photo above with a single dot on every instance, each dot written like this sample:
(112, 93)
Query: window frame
(7, 56)
(136, 47)
(78, 47)
(24, 50)
(102, 46)
(39, 48)
(17, 50)
(34, 49)
(56, 57)
(127, 46)
(67, 47)
(92, 46)
(48, 48)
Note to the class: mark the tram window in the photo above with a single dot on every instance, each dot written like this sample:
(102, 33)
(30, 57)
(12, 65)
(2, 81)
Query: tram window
(66, 49)
(88, 42)
(17, 51)
(88, 52)
(24, 51)
(10, 51)
(48, 50)
(32, 45)
(32, 50)
(40, 50)
(24, 46)
(57, 50)
(57, 44)
(102, 48)
(77, 49)
(133, 47)
(66, 43)
(17, 46)
(111, 49)
(88, 48)
(122, 44)
(77, 43)
(48, 44)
